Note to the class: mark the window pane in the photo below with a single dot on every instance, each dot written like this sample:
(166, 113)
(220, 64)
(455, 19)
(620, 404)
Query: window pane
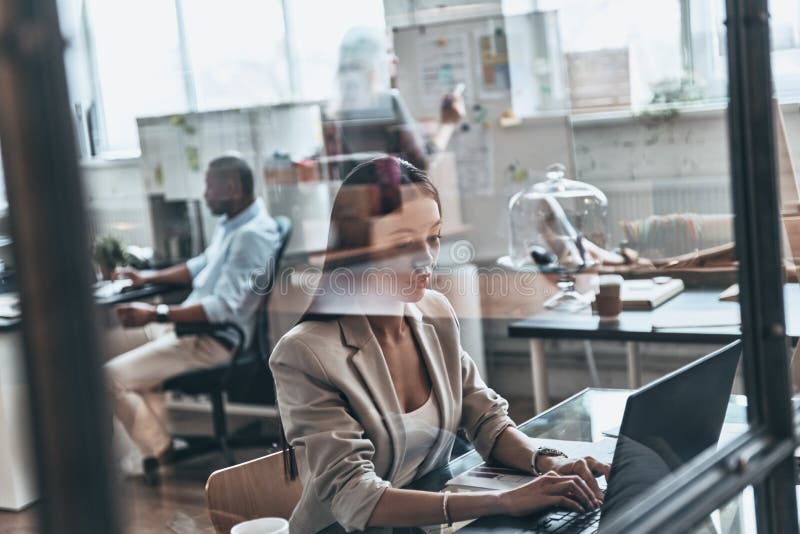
(649, 32)
(237, 52)
(785, 19)
(316, 39)
(138, 65)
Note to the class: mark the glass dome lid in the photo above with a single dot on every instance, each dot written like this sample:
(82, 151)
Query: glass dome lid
(550, 220)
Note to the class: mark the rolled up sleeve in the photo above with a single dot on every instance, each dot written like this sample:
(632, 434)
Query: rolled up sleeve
(329, 440)
(196, 264)
(484, 413)
(234, 298)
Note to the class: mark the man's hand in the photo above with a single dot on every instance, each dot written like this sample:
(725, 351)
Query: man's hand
(453, 109)
(586, 468)
(132, 274)
(135, 314)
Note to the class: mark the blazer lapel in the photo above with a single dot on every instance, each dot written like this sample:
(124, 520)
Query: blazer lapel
(370, 364)
(432, 355)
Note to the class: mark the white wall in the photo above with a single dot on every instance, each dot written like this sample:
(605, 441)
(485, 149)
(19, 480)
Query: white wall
(620, 155)
(117, 201)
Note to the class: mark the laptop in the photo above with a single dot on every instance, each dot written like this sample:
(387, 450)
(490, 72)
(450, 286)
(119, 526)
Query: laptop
(666, 424)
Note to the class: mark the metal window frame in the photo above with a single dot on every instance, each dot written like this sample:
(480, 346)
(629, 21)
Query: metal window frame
(763, 457)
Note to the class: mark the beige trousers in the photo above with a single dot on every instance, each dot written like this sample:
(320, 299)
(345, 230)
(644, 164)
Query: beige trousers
(146, 357)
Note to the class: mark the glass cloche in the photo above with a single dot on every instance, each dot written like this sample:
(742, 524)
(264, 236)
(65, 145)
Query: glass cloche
(550, 222)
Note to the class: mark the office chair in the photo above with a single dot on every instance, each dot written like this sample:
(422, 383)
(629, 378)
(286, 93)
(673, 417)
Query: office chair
(245, 379)
(250, 490)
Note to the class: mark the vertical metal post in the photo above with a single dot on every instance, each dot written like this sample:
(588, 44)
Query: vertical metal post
(189, 81)
(49, 225)
(758, 246)
(291, 55)
(687, 43)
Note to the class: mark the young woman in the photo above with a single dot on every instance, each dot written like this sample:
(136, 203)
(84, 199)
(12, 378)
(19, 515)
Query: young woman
(373, 384)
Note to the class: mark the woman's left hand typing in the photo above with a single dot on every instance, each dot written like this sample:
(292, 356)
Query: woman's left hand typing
(587, 468)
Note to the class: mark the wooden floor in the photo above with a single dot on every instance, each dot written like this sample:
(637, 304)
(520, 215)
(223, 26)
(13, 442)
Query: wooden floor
(178, 505)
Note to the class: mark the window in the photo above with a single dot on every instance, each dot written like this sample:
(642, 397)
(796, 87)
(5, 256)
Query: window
(236, 60)
(315, 40)
(158, 57)
(138, 65)
(650, 31)
(708, 46)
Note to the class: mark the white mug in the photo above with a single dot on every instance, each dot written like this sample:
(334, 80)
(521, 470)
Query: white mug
(263, 525)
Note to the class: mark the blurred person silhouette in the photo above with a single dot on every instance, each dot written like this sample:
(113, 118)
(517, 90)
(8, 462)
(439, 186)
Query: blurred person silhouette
(148, 350)
(373, 383)
(367, 114)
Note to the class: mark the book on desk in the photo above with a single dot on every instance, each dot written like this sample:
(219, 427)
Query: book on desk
(649, 294)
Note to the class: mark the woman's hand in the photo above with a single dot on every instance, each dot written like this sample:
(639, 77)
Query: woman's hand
(586, 468)
(548, 491)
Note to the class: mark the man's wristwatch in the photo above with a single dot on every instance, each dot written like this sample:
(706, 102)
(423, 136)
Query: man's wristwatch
(162, 313)
(544, 451)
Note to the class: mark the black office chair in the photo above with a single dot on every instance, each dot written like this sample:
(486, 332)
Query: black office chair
(245, 379)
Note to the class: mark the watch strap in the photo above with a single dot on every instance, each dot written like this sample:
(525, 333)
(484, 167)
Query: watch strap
(544, 451)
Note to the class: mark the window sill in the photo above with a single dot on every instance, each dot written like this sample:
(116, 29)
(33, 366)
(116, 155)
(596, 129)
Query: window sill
(651, 112)
(115, 160)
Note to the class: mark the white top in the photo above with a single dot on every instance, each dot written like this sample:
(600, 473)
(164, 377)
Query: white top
(422, 428)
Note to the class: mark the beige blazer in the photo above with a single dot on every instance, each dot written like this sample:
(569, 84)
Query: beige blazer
(339, 409)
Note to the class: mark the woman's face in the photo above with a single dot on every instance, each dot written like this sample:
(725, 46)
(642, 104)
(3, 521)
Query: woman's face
(407, 247)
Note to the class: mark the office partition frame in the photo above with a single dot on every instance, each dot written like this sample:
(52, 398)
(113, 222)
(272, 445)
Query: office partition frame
(71, 427)
(763, 457)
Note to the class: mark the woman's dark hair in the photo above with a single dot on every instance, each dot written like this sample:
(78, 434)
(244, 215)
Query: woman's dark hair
(372, 189)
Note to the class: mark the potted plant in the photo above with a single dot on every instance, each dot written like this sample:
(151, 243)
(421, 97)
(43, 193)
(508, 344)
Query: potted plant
(109, 253)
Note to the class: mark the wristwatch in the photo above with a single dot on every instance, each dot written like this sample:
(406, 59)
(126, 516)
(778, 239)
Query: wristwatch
(162, 313)
(544, 451)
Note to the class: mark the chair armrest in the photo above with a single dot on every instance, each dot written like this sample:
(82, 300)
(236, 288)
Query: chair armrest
(209, 329)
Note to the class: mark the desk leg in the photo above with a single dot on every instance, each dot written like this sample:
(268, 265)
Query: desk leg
(634, 364)
(541, 397)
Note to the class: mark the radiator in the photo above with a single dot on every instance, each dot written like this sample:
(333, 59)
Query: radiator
(636, 201)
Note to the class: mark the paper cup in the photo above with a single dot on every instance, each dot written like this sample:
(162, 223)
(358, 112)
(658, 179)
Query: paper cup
(264, 525)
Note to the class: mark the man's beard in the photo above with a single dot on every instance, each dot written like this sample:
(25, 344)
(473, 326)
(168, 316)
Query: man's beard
(220, 208)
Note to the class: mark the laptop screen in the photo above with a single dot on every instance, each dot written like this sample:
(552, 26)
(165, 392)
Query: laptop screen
(666, 424)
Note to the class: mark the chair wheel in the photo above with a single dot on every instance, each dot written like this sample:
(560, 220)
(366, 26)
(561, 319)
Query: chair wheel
(150, 467)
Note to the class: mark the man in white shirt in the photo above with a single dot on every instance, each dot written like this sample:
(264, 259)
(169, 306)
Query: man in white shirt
(245, 241)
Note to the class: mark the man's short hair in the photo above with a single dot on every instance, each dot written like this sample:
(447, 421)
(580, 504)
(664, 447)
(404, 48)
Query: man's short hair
(234, 165)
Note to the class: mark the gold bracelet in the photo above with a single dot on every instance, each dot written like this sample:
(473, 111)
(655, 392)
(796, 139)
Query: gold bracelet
(444, 510)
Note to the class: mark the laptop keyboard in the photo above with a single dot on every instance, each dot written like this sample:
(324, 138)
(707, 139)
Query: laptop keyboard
(571, 522)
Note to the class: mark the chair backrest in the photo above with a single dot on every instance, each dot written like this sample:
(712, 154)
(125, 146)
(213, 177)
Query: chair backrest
(251, 490)
(262, 322)
(251, 382)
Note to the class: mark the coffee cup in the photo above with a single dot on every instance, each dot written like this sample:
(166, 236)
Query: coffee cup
(608, 300)
(263, 525)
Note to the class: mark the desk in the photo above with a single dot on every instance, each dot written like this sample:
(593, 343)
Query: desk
(17, 486)
(634, 327)
(140, 293)
(582, 417)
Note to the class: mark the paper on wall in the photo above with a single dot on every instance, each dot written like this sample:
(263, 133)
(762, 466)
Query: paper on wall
(443, 62)
(474, 157)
